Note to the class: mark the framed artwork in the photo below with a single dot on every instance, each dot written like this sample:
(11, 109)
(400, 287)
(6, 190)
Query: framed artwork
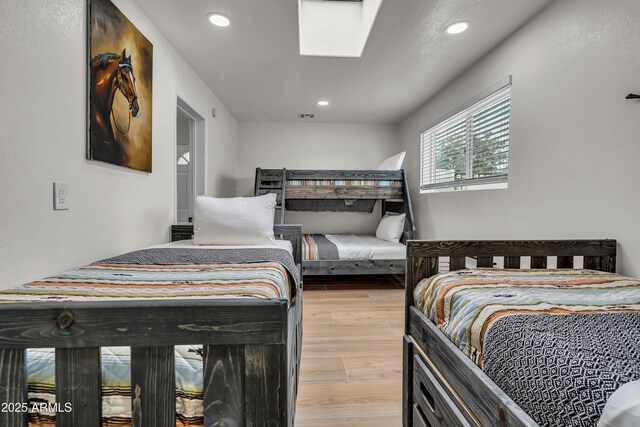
(120, 71)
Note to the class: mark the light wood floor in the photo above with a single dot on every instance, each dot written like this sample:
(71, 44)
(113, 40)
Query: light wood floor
(351, 354)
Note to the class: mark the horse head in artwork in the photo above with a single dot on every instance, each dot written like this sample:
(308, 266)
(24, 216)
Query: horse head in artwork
(127, 83)
(110, 73)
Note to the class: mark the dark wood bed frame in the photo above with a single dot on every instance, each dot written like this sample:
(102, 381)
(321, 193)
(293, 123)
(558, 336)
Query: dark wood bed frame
(251, 355)
(443, 387)
(393, 199)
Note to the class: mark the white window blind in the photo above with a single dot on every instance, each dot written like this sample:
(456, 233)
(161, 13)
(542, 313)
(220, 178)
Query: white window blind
(471, 147)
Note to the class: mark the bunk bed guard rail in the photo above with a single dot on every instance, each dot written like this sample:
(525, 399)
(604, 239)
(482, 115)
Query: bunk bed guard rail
(337, 191)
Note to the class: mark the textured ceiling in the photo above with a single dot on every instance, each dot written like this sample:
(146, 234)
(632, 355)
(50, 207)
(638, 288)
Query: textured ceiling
(254, 66)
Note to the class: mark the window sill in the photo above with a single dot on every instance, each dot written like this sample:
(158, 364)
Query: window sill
(494, 186)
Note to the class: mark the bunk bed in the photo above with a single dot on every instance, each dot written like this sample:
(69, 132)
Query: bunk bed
(343, 191)
(217, 301)
(506, 362)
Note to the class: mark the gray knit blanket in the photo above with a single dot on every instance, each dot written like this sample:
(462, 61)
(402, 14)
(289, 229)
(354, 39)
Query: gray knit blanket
(562, 369)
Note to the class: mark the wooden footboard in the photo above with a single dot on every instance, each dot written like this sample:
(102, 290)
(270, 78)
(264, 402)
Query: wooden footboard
(441, 386)
(251, 355)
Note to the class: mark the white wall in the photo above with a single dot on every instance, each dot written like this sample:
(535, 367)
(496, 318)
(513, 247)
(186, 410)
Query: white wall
(574, 138)
(315, 146)
(42, 138)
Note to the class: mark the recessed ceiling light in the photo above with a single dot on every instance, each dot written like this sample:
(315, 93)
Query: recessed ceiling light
(219, 19)
(457, 27)
(322, 103)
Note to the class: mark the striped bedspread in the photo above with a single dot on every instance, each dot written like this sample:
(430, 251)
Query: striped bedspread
(105, 281)
(152, 274)
(558, 342)
(170, 273)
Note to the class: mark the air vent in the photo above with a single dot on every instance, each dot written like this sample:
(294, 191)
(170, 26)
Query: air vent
(306, 116)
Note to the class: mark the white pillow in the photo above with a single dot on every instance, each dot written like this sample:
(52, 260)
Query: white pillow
(391, 228)
(234, 221)
(393, 163)
(623, 407)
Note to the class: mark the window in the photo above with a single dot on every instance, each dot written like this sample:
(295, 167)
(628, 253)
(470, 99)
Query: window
(184, 159)
(469, 148)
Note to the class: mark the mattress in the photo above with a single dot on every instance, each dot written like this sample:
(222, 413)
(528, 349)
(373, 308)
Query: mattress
(188, 244)
(177, 270)
(558, 342)
(349, 247)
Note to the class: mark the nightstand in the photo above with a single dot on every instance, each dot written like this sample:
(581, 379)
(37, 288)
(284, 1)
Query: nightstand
(181, 232)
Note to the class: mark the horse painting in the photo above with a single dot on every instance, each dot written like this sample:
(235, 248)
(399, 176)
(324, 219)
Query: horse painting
(119, 89)
(111, 73)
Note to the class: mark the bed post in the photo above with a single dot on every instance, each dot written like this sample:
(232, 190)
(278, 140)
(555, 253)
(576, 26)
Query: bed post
(292, 233)
(13, 385)
(283, 195)
(418, 268)
(256, 189)
(407, 381)
(415, 270)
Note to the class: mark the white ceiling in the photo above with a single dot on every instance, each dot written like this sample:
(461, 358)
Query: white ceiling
(255, 68)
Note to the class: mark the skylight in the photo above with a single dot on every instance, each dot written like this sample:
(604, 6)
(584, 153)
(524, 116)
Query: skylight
(336, 28)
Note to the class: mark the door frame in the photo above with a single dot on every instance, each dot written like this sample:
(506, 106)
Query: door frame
(197, 150)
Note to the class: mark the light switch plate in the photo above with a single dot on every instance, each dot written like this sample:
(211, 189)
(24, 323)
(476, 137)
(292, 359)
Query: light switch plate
(60, 196)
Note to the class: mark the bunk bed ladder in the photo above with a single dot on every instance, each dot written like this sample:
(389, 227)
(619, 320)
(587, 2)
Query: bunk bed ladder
(409, 227)
(256, 190)
(283, 196)
(266, 182)
(406, 196)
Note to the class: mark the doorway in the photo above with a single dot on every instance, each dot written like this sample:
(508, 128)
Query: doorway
(189, 161)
